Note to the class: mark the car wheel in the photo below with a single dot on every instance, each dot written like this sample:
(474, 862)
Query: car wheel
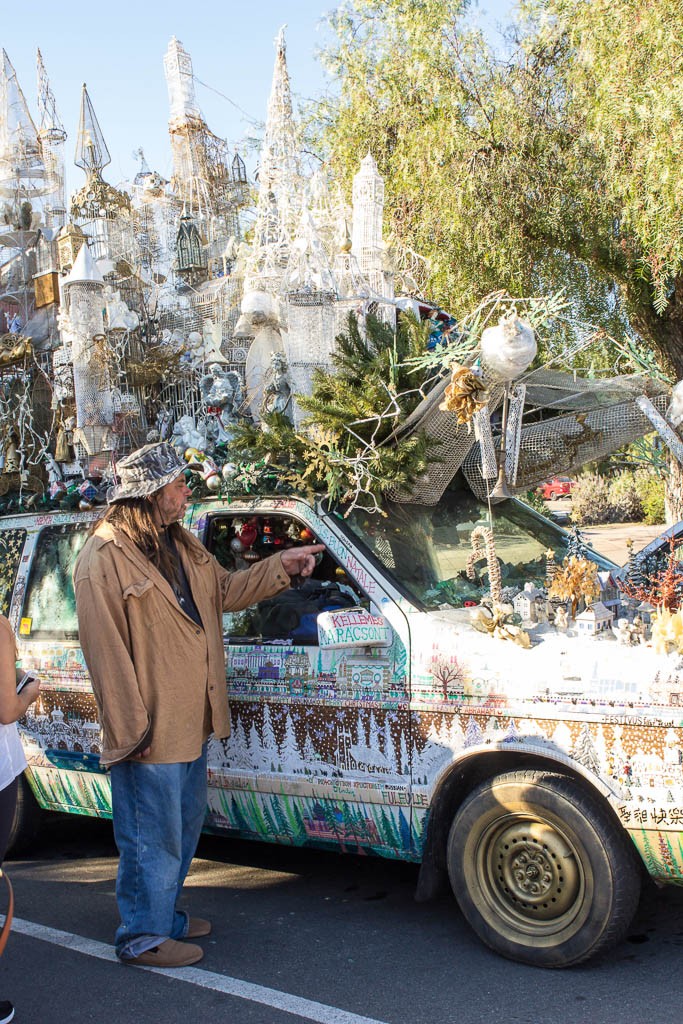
(540, 870)
(552, 495)
(28, 818)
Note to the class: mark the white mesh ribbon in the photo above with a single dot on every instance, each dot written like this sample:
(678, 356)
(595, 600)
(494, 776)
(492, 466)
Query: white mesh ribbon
(565, 443)
(513, 434)
(482, 431)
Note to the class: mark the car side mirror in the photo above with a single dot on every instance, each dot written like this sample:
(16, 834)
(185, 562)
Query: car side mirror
(352, 627)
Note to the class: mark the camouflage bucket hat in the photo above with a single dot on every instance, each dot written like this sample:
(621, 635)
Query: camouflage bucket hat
(145, 471)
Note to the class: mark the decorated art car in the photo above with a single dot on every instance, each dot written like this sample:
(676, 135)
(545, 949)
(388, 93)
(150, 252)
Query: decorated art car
(541, 776)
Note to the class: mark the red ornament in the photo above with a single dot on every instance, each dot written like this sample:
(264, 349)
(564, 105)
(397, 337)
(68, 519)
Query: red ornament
(248, 534)
(306, 534)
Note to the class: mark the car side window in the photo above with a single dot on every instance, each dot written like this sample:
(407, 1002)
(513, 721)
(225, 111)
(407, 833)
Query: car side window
(240, 541)
(50, 605)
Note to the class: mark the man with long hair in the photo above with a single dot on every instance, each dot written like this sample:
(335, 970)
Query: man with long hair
(150, 600)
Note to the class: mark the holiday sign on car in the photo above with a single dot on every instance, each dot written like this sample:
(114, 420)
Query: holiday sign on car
(353, 627)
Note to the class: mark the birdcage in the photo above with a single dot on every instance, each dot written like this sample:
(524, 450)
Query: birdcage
(561, 445)
(603, 417)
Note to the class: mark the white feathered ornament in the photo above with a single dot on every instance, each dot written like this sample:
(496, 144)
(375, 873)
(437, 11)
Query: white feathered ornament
(509, 348)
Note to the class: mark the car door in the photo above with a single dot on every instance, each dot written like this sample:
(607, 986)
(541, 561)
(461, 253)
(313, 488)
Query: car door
(319, 751)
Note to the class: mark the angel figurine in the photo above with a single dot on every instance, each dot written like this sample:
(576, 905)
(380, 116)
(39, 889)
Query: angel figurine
(187, 435)
(277, 391)
(221, 390)
(561, 619)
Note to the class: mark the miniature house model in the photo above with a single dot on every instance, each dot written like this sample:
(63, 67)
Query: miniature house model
(525, 603)
(609, 593)
(596, 618)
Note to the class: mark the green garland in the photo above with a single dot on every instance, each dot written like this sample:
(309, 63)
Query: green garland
(345, 449)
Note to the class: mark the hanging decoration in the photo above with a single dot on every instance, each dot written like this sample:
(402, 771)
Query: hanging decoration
(487, 449)
(664, 429)
(513, 431)
(507, 350)
(466, 393)
(674, 411)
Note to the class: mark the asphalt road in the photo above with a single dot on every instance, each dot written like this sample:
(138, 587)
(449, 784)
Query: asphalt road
(301, 935)
(611, 540)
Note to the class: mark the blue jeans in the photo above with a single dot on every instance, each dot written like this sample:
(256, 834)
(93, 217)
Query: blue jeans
(158, 812)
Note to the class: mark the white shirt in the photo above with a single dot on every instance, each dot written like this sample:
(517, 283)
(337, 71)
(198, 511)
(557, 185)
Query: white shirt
(12, 760)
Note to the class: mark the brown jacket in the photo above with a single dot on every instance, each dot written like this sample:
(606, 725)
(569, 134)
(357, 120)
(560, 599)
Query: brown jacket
(159, 680)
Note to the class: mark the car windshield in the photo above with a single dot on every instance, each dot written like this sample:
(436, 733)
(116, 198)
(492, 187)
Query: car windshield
(426, 548)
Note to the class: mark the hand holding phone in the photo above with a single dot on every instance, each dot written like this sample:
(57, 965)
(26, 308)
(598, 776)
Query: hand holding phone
(27, 678)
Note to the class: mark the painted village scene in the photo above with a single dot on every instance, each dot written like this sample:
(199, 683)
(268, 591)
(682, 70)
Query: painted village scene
(206, 310)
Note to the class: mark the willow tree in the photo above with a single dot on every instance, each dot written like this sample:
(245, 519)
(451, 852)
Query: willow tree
(554, 167)
(624, 82)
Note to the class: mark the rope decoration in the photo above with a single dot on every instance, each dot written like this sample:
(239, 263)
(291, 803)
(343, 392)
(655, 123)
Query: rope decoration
(492, 616)
(483, 546)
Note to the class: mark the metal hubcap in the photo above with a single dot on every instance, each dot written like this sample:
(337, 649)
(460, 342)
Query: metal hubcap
(531, 871)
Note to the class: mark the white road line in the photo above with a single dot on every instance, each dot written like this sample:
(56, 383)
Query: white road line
(306, 1008)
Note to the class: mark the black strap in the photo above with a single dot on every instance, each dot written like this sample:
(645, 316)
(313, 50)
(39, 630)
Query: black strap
(4, 934)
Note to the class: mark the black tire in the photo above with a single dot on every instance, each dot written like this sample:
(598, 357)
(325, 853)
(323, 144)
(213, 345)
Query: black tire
(540, 870)
(28, 818)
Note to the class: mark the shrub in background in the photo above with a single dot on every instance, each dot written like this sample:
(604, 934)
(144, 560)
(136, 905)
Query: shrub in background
(651, 491)
(629, 497)
(625, 497)
(535, 501)
(591, 503)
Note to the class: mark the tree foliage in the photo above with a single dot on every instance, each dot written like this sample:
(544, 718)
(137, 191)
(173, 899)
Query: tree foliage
(554, 167)
(626, 78)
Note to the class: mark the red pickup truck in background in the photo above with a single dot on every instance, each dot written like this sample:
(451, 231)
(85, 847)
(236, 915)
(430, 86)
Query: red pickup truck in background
(556, 487)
